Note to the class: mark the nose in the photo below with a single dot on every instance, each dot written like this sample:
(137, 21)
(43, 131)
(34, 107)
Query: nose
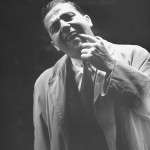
(65, 26)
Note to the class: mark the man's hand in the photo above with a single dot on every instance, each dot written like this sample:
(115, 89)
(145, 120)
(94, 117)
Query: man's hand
(95, 52)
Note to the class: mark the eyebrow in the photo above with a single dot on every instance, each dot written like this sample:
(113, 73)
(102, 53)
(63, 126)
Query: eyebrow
(66, 13)
(61, 16)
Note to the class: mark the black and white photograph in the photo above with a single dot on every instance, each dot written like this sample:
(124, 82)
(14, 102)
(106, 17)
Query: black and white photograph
(75, 75)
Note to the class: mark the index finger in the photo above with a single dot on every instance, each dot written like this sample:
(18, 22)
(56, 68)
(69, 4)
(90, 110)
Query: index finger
(90, 38)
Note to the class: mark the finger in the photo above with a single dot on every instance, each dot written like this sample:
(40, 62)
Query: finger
(85, 51)
(88, 37)
(86, 56)
(87, 45)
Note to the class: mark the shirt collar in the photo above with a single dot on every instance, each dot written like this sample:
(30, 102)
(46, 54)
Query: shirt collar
(77, 65)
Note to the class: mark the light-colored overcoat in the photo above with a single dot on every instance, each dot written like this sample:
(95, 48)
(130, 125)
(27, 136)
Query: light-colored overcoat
(122, 102)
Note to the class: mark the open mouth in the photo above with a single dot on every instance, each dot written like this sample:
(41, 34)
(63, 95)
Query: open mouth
(71, 36)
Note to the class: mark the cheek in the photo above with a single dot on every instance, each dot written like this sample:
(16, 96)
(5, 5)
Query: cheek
(55, 39)
(82, 26)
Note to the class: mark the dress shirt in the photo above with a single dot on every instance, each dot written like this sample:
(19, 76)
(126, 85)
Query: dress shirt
(77, 66)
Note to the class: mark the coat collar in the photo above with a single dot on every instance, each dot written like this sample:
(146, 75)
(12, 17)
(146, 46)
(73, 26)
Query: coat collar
(57, 86)
(57, 92)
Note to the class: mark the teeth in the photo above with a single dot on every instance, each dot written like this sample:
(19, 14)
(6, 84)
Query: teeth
(70, 35)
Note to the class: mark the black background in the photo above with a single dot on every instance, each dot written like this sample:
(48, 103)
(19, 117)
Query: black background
(26, 52)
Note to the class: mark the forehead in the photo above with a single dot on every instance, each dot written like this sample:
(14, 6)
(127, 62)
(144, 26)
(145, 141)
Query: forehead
(60, 9)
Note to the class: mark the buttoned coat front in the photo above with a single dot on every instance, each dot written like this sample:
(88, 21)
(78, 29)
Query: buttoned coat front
(121, 102)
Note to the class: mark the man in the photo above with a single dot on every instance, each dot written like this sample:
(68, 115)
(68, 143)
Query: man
(116, 116)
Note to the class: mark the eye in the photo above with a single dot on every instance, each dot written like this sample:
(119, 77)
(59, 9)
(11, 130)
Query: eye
(55, 27)
(67, 17)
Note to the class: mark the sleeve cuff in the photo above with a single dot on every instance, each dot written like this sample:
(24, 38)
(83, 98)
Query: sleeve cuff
(106, 82)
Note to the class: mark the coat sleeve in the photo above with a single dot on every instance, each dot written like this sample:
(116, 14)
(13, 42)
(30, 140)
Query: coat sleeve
(132, 81)
(41, 136)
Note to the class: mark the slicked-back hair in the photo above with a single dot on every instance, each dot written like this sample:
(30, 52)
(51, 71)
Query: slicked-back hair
(53, 3)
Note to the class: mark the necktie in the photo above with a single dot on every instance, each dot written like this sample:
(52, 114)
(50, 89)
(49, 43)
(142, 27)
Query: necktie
(87, 90)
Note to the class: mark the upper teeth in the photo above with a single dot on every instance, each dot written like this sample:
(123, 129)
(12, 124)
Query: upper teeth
(70, 35)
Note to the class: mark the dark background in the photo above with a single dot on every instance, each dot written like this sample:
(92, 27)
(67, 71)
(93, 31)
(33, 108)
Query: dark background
(26, 53)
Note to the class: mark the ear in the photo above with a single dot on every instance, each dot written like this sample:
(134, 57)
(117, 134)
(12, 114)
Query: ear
(55, 46)
(88, 19)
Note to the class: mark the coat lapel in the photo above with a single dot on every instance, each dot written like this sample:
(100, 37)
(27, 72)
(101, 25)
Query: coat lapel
(58, 95)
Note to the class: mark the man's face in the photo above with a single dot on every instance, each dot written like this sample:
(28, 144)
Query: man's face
(64, 24)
